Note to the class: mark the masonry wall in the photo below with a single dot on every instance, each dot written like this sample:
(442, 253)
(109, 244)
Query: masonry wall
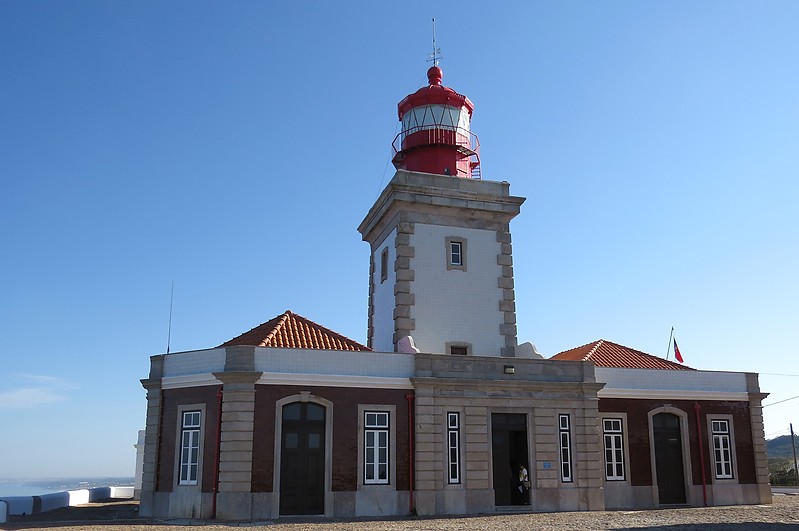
(435, 305)
(457, 305)
(381, 297)
(345, 432)
(477, 388)
(173, 399)
(640, 490)
(640, 462)
(541, 406)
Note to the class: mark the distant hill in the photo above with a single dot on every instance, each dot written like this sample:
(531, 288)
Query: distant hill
(781, 446)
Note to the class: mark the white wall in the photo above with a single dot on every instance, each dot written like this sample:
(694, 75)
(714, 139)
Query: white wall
(195, 361)
(137, 480)
(383, 298)
(358, 365)
(454, 305)
(665, 384)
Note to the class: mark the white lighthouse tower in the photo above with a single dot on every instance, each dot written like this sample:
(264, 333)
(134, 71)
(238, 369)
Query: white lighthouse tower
(441, 266)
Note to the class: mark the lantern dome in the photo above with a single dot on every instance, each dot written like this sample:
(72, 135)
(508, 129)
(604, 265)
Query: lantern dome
(436, 135)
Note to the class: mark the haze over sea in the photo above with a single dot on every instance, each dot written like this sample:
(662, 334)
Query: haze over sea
(37, 487)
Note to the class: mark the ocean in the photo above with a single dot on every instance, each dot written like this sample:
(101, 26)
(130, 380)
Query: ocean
(37, 487)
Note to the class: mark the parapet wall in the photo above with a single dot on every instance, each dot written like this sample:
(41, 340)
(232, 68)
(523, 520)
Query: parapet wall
(24, 505)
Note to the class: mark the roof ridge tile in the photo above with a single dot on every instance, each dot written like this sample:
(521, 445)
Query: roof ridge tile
(604, 353)
(291, 330)
(279, 326)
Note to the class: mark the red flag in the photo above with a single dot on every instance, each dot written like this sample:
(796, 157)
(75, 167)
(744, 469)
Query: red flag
(677, 352)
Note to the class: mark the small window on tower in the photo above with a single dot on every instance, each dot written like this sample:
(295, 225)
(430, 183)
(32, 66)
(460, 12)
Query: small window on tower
(459, 349)
(384, 265)
(456, 253)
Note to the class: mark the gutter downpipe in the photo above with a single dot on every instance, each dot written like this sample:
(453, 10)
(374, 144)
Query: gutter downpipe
(411, 507)
(697, 408)
(218, 451)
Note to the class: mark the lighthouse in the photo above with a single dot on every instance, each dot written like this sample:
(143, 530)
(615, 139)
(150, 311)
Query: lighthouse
(441, 265)
(436, 135)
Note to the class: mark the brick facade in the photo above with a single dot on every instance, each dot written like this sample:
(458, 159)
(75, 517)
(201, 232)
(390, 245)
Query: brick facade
(638, 434)
(345, 429)
(167, 458)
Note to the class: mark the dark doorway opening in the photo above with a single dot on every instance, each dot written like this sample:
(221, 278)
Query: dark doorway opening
(508, 450)
(668, 458)
(302, 459)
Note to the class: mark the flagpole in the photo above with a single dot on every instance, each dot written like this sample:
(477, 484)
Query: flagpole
(668, 348)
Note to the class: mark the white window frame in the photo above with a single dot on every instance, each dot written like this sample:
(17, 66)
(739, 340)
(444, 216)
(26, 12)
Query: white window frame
(377, 427)
(458, 264)
(613, 433)
(720, 430)
(456, 253)
(189, 445)
(453, 447)
(565, 438)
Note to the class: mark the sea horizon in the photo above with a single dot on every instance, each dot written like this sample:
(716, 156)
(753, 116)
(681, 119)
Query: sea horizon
(39, 486)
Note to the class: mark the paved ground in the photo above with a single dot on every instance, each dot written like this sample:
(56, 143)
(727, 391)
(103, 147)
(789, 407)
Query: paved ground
(783, 514)
(785, 490)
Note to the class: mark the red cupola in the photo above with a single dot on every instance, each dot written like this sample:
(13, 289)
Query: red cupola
(435, 135)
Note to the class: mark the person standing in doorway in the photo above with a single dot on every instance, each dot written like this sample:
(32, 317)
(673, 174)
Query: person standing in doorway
(523, 486)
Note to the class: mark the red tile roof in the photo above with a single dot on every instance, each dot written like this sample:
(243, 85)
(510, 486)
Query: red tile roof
(290, 330)
(608, 354)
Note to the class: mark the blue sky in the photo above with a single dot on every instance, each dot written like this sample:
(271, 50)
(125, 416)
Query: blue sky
(233, 147)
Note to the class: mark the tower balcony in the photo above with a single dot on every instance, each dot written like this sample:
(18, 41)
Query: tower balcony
(463, 142)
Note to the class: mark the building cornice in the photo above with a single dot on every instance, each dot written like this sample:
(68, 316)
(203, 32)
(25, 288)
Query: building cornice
(587, 390)
(335, 380)
(431, 194)
(314, 380)
(665, 394)
(193, 380)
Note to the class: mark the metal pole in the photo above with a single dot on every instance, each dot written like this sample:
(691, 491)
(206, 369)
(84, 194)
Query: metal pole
(668, 348)
(169, 334)
(793, 445)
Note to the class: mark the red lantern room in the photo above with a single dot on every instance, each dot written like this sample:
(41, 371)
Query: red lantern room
(435, 135)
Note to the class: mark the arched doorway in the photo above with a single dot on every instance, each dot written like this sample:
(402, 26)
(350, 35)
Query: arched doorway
(302, 459)
(667, 440)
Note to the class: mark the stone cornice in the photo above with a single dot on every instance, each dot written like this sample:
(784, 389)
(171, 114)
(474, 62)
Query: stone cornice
(492, 368)
(274, 378)
(238, 377)
(193, 380)
(758, 396)
(431, 193)
(151, 383)
(328, 380)
(585, 390)
(666, 394)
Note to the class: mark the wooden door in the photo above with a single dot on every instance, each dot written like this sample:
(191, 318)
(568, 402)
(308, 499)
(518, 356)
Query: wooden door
(668, 458)
(302, 459)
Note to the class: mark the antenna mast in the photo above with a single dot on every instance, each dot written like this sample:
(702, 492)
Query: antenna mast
(435, 56)
(169, 334)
